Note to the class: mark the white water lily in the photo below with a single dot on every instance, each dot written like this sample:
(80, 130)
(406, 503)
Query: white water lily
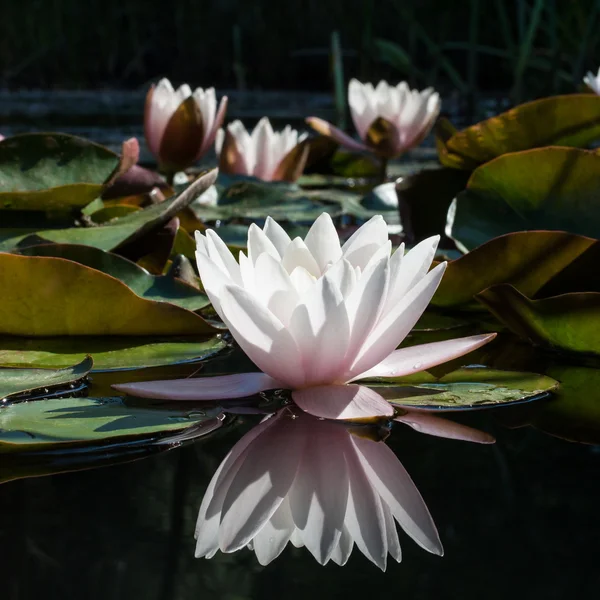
(262, 153)
(593, 81)
(179, 141)
(405, 117)
(316, 316)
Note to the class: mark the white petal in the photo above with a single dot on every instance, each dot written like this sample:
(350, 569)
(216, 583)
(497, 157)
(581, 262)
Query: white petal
(343, 275)
(393, 327)
(323, 242)
(220, 387)
(346, 402)
(298, 255)
(277, 234)
(261, 484)
(261, 336)
(319, 495)
(419, 358)
(221, 255)
(392, 534)
(397, 490)
(361, 246)
(258, 243)
(364, 517)
(302, 280)
(271, 540)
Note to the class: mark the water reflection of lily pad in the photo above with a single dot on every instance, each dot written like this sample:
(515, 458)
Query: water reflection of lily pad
(20, 381)
(464, 389)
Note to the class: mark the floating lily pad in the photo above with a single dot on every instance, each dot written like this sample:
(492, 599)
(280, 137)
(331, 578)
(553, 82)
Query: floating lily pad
(44, 296)
(45, 424)
(468, 388)
(569, 322)
(162, 288)
(117, 232)
(528, 260)
(49, 171)
(570, 120)
(109, 353)
(547, 188)
(15, 382)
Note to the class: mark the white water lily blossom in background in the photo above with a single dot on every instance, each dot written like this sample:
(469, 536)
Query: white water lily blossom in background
(593, 81)
(316, 316)
(409, 114)
(261, 153)
(180, 143)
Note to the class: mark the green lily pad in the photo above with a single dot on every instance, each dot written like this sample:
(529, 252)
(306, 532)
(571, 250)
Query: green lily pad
(162, 288)
(45, 296)
(44, 171)
(109, 353)
(468, 388)
(528, 260)
(569, 322)
(571, 120)
(44, 424)
(547, 188)
(15, 382)
(121, 231)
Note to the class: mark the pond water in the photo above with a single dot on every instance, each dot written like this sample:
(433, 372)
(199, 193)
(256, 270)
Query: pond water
(100, 493)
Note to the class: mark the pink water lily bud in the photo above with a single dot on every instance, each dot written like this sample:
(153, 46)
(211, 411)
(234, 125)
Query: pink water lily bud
(264, 153)
(180, 125)
(298, 479)
(593, 81)
(316, 316)
(388, 119)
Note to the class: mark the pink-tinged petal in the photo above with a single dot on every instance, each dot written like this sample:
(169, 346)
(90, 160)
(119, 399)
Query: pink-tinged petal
(424, 356)
(341, 553)
(392, 533)
(365, 241)
(219, 118)
(346, 402)
(273, 286)
(277, 234)
(262, 336)
(272, 539)
(260, 485)
(362, 108)
(220, 387)
(319, 495)
(394, 326)
(321, 328)
(209, 516)
(325, 128)
(264, 141)
(397, 490)
(364, 517)
(425, 422)
(411, 268)
(323, 242)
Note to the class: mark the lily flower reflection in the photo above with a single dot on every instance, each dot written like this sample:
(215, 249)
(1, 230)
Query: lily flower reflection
(316, 316)
(266, 154)
(388, 119)
(325, 485)
(180, 125)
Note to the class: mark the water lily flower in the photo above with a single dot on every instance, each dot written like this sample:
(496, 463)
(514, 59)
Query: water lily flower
(316, 316)
(181, 125)
(389, 120)
(309, 481)
(264, 153)
(593, 81)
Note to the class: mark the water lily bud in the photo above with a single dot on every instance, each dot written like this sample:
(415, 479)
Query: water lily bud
(180, 125)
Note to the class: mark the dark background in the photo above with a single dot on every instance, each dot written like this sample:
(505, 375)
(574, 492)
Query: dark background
(526, 47)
